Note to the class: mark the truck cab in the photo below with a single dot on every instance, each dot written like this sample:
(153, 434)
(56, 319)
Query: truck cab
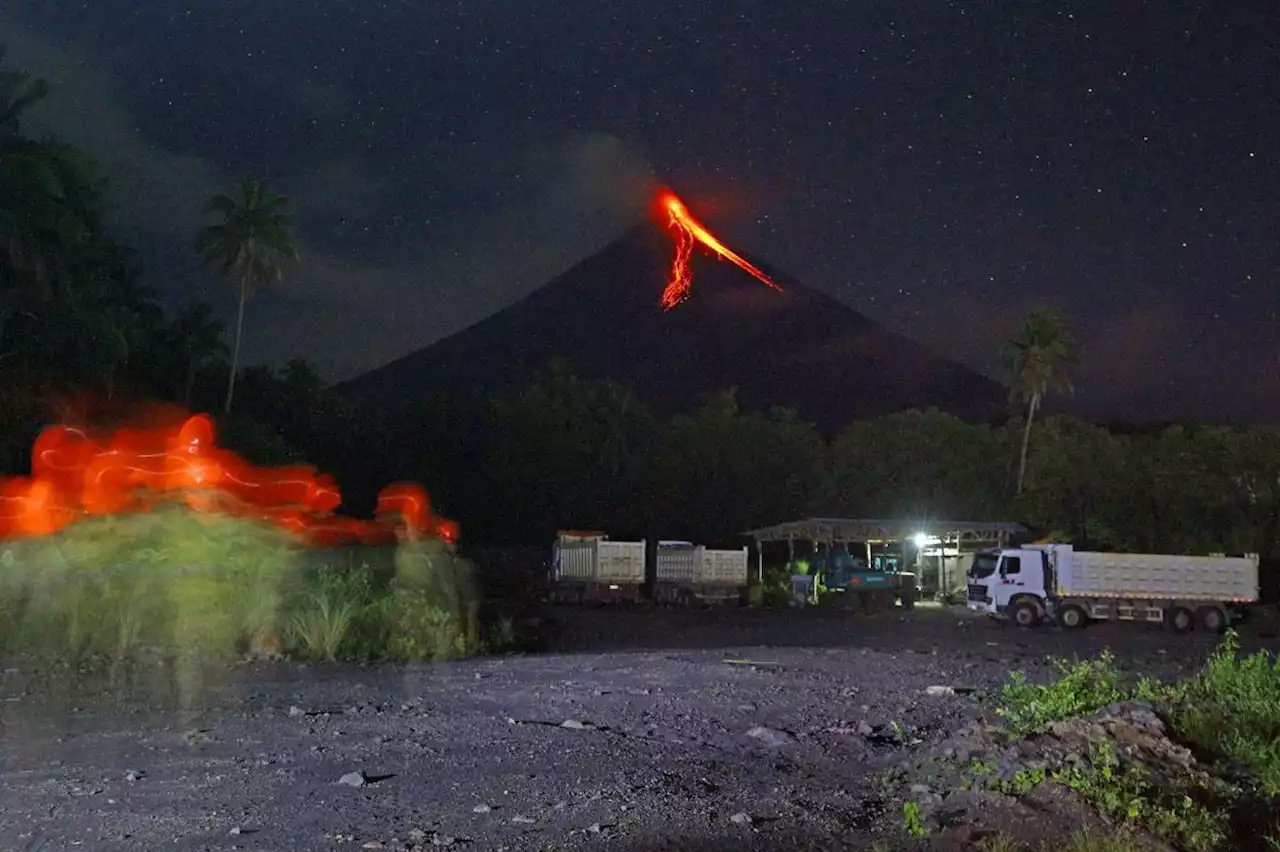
(1011, 583)
(1035, 582)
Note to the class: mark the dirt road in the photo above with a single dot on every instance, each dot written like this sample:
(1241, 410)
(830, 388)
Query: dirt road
(642, 731)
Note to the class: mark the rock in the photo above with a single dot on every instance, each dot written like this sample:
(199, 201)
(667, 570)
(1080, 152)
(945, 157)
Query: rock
(296, 711)
(959, 837)
(939, 690)
(576, 725)
(741, 819)
(521, 819)
(921, 789)
(481, 809)
(134, 775)
(865, 730)
(354, 779)
(770, 736)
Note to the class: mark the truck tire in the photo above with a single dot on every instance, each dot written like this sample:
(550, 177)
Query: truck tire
(1211, 619)
(1179, 619)
(1025, 613)
(1073, 617)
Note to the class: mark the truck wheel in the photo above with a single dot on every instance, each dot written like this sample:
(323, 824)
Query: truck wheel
(1025, 614)
(1180, 620)
(1073, 617)
(1211, 619)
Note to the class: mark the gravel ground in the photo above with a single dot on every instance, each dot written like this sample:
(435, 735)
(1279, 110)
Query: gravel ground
(640, 731)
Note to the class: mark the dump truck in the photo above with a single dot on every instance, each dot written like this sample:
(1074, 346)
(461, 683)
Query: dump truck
(588, 566)
(1040, 583)
(686, 574)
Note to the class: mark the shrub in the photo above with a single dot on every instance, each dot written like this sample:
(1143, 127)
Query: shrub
(202, 586)
(1232, 710)
(206, 588)
(1081, 688)
(433, 606)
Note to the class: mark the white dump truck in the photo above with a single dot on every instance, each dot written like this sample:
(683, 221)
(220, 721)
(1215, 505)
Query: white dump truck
(1041, 582)
(587, 565)
(686, 573)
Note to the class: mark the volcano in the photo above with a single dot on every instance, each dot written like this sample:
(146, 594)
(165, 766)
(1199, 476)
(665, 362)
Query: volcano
(786, 346)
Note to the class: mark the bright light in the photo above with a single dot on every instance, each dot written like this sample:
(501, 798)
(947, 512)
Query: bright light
(922, 540)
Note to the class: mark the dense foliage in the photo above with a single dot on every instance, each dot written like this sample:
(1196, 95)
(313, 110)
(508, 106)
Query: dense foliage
(563, 451)
(1226, 714)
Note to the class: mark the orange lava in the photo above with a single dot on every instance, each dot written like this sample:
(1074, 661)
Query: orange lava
(687, 230)
(76, 474)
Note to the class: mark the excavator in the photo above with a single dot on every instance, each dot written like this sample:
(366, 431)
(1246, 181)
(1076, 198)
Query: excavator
(842, 579)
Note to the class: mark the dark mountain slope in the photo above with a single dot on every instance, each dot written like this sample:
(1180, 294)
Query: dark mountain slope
(797, 348)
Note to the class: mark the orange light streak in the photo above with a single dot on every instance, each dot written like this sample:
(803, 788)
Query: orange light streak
(687, 230)
(75, 475)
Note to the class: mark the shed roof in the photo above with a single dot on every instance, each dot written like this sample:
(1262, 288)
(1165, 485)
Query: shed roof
(871, 529)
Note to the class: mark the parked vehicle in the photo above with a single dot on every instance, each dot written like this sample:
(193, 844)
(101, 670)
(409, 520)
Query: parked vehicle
(1041, 582)
(686, 574)
(845, 580)
(587, 565)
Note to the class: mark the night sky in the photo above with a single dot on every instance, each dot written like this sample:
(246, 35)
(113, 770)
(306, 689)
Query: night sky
(942, 167)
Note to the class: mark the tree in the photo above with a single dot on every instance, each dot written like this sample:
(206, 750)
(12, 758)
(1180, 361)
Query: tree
(1036, 361)
(248, 246)
(915, 464)
(197, 334)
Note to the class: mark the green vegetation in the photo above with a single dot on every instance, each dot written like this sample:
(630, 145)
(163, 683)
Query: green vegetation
(1232, 712)
(212, 588)
(1081, 688)
(912, 821)
(1127, 797)
(1229, 713)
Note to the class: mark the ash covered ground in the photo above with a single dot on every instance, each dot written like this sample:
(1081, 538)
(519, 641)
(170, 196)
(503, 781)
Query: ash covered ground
(638, 730)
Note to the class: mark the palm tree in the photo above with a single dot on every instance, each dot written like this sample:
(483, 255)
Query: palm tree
(249, 247)
(1036, 361)
(197, 334)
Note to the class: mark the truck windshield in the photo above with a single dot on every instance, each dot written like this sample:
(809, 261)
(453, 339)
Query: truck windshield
(984, 565)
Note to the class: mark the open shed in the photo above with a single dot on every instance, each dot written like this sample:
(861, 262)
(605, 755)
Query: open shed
(937, 540)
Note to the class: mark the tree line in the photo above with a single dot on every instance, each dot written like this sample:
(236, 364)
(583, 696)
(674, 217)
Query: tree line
(561, 450)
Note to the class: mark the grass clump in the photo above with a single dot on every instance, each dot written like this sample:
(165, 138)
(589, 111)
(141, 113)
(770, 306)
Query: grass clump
(207, 588)
(1231, 710)
(1083, 687)
(1127, 797)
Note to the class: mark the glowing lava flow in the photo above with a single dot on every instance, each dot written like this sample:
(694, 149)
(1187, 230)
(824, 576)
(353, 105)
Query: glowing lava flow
(688, 230)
